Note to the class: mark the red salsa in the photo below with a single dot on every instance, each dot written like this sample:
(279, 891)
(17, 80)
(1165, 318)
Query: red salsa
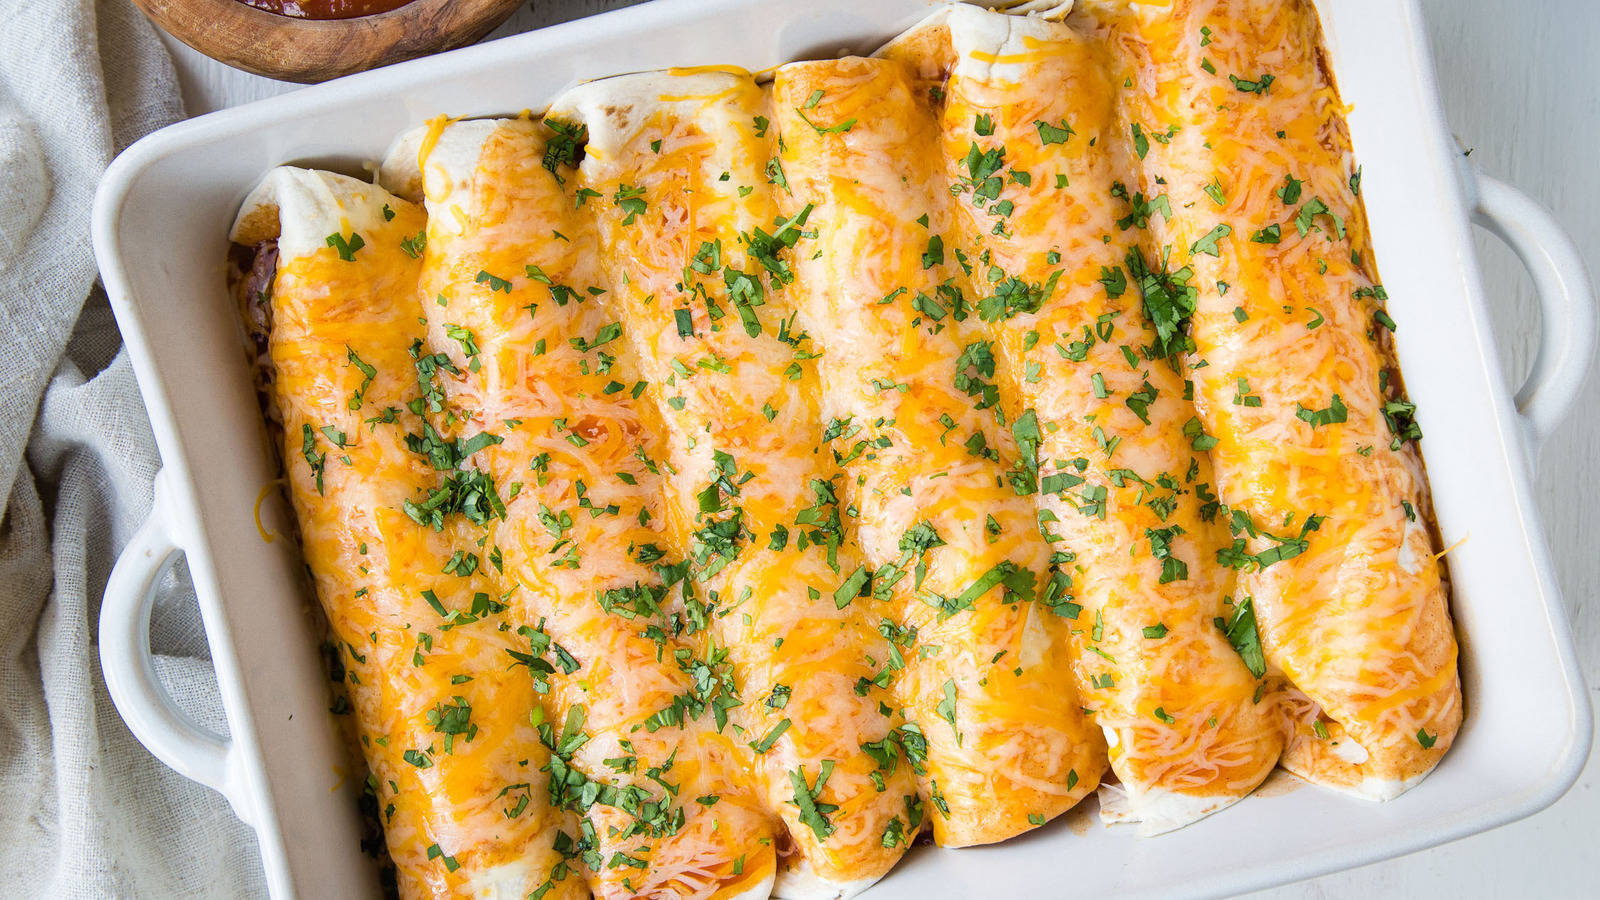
(326, 9)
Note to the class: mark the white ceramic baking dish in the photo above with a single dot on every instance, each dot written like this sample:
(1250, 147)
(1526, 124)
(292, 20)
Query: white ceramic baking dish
(160, 225)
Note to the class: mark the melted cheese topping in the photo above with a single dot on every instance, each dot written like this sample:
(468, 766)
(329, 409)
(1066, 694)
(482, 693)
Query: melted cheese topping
(685, 216)
(987, 676)
(1245, 145)
(1106, 418)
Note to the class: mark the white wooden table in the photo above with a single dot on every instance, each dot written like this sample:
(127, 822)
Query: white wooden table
(1521, 84)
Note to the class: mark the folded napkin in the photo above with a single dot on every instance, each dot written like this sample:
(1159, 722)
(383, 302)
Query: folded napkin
(85, 811)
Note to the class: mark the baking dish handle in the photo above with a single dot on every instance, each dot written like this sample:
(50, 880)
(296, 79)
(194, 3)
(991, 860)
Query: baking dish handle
(1566, 302)
(150, 712)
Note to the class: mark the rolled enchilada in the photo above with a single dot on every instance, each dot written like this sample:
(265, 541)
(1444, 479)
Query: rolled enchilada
(985, 674)
(509, 283)
(1256, 259)
(697, 260)
(1032, 158)
(457, 769)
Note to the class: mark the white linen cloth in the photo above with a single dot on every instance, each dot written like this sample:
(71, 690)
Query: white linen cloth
(85, 810)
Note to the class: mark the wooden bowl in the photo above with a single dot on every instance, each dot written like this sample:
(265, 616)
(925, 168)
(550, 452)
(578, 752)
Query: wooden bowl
(310, 50)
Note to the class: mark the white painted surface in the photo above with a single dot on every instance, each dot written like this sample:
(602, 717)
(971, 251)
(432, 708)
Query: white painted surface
(1521, 84)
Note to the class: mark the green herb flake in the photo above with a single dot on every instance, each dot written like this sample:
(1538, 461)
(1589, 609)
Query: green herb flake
(813, 815)
(852, 587)
(1289, 193)
(946, 708)
(1258, 86)
(494, 282)
(1208, 243)
(771, 737)
(346, 247)
(1334, 413)
(1271, 234)
(1243, 636)
(1054, 134)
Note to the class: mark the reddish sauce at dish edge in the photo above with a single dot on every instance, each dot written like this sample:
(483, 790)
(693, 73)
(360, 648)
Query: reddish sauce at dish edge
(326, 9)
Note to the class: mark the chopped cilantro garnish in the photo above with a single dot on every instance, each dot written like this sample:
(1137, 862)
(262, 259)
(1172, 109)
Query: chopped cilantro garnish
(853, 586)
(1334, 413)
(495, 282)
(814, 815)
(1054, 134)
(1259, 86)
(946, 707)
(1243, 636)
(1172, 568)
(346, 247)
(1195, 431)
(1289, 193)
(1271, 234)
(308, 449)
(414, 245)
(1168, 299)
(1114, 281)
(1208, 243)
(630, 200)
(771, 737)
(367, 374)
(563, 147)
(1401, 417)
(1213, 190)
